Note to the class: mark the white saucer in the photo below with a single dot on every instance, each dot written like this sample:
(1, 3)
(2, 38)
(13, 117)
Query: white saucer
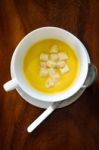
(46, 104)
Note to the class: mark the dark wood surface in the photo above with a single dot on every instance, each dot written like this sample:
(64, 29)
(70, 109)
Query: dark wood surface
(75, 127)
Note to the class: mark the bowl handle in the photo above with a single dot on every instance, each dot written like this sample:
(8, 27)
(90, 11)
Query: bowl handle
(10, 85)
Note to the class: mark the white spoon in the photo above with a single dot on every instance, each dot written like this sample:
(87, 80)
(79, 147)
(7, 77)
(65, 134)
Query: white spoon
(42, 117)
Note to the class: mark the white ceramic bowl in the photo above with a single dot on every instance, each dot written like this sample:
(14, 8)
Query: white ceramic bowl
(44, 33)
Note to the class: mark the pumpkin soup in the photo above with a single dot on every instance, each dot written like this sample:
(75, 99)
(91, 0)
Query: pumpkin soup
(50, 65)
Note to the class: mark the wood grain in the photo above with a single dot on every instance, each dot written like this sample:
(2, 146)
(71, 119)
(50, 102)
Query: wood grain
(75, 127)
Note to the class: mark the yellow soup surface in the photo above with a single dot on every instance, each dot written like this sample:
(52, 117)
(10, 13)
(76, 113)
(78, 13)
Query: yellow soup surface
(31, 66)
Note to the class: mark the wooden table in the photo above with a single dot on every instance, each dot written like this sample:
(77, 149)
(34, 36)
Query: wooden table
(75, 127)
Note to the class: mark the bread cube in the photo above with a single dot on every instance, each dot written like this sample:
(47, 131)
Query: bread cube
(61, 64)
(43, 64)
(62, 56)
(64, 69)
(54, 49)
(51, 71)
(43, 72)
(55, 77)
(51, 64)
(54, 57)
(49, 83)
(43, 56)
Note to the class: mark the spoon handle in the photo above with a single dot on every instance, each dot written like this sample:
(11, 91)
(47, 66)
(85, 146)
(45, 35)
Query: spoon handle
(41, 118)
